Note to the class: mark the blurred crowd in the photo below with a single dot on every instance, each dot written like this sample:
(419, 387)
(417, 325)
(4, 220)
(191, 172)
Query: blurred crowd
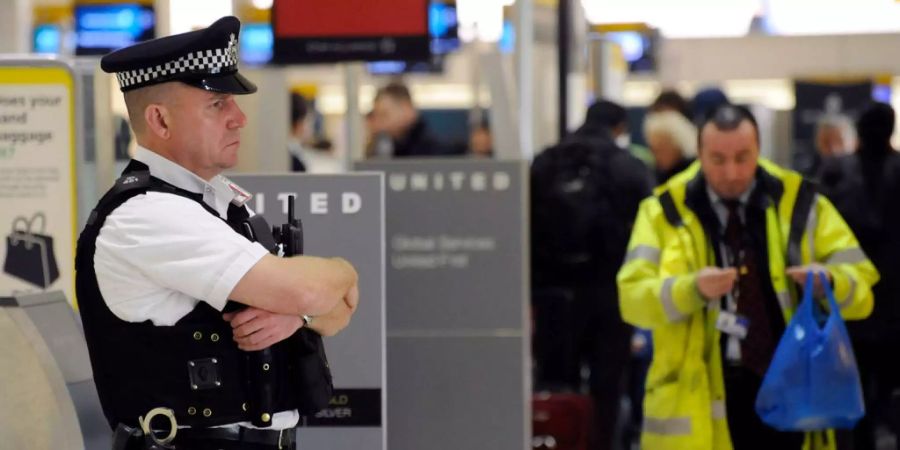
(585, 191)
(581, 343)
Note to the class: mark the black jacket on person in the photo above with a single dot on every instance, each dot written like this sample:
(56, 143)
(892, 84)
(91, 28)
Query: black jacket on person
(585, 193)
(297, 164)
(864, 188)
(630, 178)
(623, 182)
(419, 141)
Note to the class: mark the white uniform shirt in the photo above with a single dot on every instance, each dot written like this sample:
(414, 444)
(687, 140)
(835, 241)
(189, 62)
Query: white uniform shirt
(159, 254)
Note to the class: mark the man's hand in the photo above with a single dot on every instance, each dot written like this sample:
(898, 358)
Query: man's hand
(714, 282)
(798, 274)
(257, 329)
(338, 318)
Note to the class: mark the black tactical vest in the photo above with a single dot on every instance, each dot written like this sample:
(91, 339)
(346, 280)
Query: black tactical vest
(193, 367)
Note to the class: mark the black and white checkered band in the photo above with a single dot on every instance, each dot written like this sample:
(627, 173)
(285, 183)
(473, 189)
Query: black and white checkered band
(214, 61)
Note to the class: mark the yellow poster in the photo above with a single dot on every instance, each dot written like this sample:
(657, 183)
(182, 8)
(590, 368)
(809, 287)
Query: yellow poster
(37, 178)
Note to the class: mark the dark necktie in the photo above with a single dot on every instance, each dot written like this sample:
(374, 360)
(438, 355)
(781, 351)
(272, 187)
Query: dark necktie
(759, 344)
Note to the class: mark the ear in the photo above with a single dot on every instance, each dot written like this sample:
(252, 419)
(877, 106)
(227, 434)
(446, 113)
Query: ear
(158, 120)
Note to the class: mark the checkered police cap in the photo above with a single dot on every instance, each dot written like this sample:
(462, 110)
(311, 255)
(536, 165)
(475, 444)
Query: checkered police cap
(207, 59)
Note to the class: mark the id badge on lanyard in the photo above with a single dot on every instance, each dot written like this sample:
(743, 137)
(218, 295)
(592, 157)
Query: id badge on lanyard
(732, 324)
(728, 321)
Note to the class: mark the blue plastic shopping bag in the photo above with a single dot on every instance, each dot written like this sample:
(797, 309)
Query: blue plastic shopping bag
(812, 382)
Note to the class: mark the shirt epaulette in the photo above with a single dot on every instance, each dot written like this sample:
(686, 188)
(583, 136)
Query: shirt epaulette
(130, 181)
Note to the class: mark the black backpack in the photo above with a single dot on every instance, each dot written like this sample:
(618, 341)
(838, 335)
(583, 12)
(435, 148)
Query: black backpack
(575, 227)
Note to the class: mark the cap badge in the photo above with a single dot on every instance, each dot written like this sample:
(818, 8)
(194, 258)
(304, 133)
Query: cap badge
(233, 47)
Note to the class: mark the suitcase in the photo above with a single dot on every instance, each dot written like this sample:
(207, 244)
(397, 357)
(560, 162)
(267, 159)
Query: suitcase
(561, 421)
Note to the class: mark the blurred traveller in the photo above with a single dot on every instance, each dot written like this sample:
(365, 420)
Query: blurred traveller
(718, 241)
(671, 100)
(299, 112)
(306, 154)
(397, 128)
(834, 136)
(704, 101)
(162, 258)
(672, 140)
(481, 141)
(610, 119)
(585, 193)
(864, 187)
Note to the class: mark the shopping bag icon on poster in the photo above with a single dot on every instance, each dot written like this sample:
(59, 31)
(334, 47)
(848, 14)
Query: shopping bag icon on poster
(29, 252)
(812, 383)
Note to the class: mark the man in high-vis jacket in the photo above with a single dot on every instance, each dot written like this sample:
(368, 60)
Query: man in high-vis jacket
(713, 267)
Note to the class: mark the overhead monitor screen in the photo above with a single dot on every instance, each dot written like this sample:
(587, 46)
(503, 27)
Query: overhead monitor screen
(638, 47)
(256, 43)
(102, 28)
(316, 31)
(48, 38)
(442, 28)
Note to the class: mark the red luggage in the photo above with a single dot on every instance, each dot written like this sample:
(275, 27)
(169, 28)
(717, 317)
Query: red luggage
(561, 421)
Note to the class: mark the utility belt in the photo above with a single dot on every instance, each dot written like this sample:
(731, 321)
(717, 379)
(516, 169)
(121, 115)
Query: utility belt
(174, 438)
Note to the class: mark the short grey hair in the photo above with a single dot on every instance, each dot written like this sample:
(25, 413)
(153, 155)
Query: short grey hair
(843, 123)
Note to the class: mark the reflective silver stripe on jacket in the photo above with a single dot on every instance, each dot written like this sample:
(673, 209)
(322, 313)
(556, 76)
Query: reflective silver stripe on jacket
(842, 302)
(668, 301)
(644, 252)
(853, 255)
(718, 410)
(811, 228)
(676, 426)
(784, 300)
(681, 425)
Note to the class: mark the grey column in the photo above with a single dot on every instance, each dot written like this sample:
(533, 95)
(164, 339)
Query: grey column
(525, 69)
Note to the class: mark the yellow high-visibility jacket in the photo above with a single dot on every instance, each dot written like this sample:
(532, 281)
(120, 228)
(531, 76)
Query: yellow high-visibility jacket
(684, 406)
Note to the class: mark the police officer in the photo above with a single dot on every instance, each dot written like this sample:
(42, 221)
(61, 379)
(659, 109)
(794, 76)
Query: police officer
(730, 236)
(173, 298)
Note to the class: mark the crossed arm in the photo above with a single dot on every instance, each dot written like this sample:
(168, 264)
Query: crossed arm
(279, 291)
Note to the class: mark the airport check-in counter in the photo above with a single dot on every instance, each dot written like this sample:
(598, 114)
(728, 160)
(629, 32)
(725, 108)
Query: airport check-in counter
(46, 382)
